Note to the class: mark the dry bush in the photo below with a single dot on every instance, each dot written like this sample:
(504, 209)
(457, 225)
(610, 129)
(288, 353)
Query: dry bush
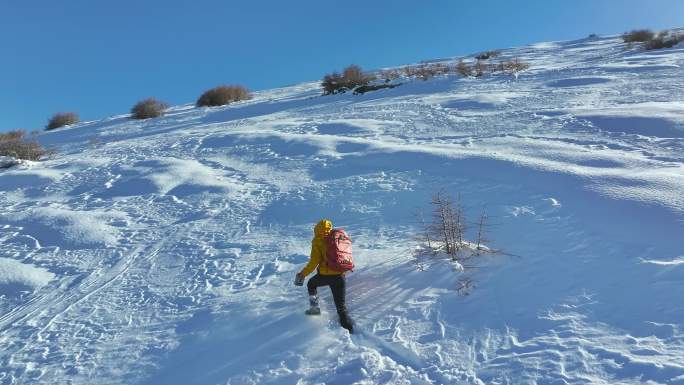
(448, 224)
(352, 77)
(17, 145)
(425, 71)
(388, 75)
(422, 72)
(409, 71)
(487, 55)
(513, 66)
(463, 68)
(332, 83)
(12, 135)
(663, 40)
(442, 236)
(439, 69)
(465, 286)
(148, 108)
(638, 36)
(62, 119)
(223, 95)
(480, 68)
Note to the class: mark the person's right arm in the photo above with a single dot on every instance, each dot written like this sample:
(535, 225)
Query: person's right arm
(314, 260)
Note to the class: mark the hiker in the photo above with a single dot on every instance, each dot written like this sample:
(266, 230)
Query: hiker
(330, 271)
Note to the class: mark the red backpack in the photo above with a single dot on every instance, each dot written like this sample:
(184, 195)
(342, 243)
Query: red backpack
(339, 251)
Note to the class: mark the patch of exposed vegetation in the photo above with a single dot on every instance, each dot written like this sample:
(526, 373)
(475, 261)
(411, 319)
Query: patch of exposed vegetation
(487, 55)
(148, 108)
(352, 77)
(663, 40)
(638, 36)
(222, 95)
(62, 119)
(443, 237)
(17, 144)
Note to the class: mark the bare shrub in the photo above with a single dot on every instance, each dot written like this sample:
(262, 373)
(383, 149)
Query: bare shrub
(663, 40)
(148, 108)
(638, 36)
(425, 71)
(421, 72)
(480, 68)
(463, 68)
(448, 222)
(443, 237)
(352, 77)
(388, 75)
(487, 55)
(438, 69)
(465, 286)
(12, 135)
(445, 231)
(409, 71)
(17, 145)
(222, 95)
(332, 83)
(62, 119)
(482, 230)
(513, 66)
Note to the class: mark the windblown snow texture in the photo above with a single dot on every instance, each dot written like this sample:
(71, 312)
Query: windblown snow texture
(163, 251)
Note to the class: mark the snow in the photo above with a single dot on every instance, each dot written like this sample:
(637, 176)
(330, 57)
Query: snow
(15, 276)
(8, 162)
(673, 262)
(163, 251)
(69, 228)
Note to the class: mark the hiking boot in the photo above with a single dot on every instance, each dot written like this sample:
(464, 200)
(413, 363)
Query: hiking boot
(313, 311)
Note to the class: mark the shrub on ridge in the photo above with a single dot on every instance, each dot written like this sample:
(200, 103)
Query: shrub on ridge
(664, 40)
(62, 119)
(16, 145)
(638, 36)
(352, 77)
(148, 108)
(222, 95)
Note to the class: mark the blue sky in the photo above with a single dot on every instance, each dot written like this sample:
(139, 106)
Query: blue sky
(98, 57)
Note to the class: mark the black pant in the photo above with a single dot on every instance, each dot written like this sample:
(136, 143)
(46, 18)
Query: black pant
(338, 286)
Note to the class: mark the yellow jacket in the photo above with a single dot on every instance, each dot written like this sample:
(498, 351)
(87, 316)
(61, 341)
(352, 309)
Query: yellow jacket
(318, 249)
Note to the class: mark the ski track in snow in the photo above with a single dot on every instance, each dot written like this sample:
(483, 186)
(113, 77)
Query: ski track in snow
(163, 251)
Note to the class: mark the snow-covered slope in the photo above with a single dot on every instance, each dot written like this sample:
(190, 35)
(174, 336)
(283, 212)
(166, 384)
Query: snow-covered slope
(163, 251)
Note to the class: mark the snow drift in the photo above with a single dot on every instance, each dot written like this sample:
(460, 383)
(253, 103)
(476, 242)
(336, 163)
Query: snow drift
(16, 276)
